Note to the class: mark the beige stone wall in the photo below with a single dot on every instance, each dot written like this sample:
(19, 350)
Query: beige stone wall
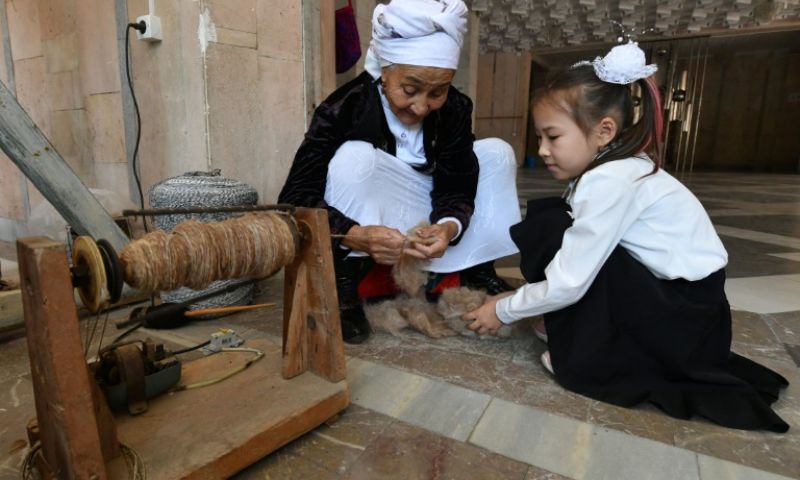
(13, 197)
(63, 64)
(232, 98)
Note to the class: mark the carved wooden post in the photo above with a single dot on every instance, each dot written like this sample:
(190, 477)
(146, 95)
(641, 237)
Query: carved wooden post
(66, 413)
(309, 280)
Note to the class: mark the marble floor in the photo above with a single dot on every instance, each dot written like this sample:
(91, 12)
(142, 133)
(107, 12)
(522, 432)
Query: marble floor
(464, 408)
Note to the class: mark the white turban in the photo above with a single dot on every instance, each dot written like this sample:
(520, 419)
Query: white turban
(427, 33)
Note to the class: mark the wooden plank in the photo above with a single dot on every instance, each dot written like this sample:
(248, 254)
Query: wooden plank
(325, 347)
(30, 150)
(68, 427)
(295, 344)
(227, 426)
(503, 99)
(10, 310)
(327, 28)
(506, 82)
(484, 88)
(523, 105)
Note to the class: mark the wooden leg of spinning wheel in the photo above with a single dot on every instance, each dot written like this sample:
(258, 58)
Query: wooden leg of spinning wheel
(324, 347)
(295, 346)
(72, 440)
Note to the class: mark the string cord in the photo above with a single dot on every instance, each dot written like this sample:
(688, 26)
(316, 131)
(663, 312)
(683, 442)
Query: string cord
(258, 355)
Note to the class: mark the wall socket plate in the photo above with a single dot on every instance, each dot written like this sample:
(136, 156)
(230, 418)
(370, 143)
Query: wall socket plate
(153, 31)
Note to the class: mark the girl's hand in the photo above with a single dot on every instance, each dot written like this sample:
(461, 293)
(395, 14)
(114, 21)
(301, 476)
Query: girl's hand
(484, 318)
(384, 244)
(432, 241)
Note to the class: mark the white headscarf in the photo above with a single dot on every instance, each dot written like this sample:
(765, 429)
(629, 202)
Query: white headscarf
(427, 33)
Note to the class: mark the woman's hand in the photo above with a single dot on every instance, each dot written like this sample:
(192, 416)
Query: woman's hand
(484, 318)
(432, 241)
(384, 244)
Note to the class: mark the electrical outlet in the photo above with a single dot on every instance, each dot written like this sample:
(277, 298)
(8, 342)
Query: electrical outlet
(152, 32)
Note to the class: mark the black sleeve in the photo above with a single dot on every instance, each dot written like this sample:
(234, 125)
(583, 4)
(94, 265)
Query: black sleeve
(305, 185)
(455, 177)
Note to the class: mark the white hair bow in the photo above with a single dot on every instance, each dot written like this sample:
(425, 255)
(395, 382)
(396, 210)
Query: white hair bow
(624, 64)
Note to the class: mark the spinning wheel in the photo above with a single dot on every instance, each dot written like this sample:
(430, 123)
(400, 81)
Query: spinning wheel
(302, 379)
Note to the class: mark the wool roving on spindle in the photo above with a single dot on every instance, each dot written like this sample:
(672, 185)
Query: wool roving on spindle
(195, 254)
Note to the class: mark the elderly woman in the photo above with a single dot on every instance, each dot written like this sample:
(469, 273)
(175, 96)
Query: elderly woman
(394, 147)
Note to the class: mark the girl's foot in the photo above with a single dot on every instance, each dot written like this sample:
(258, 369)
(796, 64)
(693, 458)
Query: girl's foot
(546, 362)
(540, 331)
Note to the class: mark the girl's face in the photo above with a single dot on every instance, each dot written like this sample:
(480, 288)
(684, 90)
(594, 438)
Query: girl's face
(414, 92)
(563, 146)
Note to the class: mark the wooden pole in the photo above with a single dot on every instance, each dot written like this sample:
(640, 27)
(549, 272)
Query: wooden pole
(30, 150)
(73, 440)
(310, 280)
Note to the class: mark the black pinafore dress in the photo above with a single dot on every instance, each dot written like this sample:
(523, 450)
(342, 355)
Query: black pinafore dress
(634, 337)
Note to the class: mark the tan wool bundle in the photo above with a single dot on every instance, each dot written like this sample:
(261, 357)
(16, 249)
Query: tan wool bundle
(196, 254)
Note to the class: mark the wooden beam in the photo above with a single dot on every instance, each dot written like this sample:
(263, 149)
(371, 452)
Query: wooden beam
(324, 352)
(295, 331)
(30, 150)
(68, 423)
(327, 27)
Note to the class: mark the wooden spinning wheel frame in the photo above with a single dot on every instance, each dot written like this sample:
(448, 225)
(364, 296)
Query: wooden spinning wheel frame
(220, 429)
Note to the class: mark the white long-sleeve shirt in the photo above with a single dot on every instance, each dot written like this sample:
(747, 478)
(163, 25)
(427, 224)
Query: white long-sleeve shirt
(656, 218)
(409, 146)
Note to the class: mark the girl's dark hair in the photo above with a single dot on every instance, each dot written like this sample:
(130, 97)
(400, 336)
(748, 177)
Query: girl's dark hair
(581, 94)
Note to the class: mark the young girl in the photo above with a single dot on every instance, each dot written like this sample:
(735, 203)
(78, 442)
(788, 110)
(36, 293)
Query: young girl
(627, 268)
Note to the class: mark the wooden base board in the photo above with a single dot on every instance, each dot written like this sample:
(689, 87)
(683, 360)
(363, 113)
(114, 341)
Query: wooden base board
(213, 432)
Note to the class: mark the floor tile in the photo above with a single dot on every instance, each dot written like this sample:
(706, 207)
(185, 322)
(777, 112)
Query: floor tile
(784, 225)
(577, 449)
(16, 408)
(715, 469)
(794, 256)
(508, 369)
(404, 452)
(768, 294)
(536, 473)
(13, 356)
(757, 197)
(283, 465)
(753, 336)
(771, 238)
(331, 448)
(785, 326)
(437, 406)
(726, 212)
(748, 258)
(794, 352)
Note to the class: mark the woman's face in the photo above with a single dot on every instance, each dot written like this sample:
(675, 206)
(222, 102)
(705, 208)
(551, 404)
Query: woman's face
(414, 92)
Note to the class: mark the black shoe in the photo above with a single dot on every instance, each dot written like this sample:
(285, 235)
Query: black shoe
(355, 327)
(349, 272)
(483, 277)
